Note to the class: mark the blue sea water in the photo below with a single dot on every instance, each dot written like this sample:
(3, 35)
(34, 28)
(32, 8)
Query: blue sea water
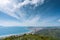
(12, 30)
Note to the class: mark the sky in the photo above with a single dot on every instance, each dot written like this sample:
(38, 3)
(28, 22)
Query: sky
(29, 13)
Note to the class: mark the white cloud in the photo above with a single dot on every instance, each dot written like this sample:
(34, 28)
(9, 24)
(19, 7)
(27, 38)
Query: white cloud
(4, 2)
(31, 22)
(37, 2)
(10, 7)
(4, 7)
(32, 2)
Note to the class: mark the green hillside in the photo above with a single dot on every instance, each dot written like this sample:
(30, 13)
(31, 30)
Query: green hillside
(30, 37)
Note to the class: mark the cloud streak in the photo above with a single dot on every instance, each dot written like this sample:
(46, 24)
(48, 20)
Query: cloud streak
(10, 7)
(29, 22)
(31, 2)
(13, 9)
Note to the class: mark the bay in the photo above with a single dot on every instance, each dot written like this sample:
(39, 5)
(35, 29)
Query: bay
(13, 30)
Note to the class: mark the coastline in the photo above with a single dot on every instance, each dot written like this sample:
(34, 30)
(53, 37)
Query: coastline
(4, 36)
(19, 34)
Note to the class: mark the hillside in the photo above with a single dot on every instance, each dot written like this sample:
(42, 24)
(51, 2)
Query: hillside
(53, 32)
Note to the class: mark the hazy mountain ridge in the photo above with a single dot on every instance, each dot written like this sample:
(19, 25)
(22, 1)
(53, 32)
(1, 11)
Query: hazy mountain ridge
(50, 31)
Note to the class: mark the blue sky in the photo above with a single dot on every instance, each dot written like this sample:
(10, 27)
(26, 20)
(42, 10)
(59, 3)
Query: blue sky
(29, 12)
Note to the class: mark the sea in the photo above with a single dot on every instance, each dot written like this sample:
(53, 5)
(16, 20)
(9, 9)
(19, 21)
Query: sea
(13, 30)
